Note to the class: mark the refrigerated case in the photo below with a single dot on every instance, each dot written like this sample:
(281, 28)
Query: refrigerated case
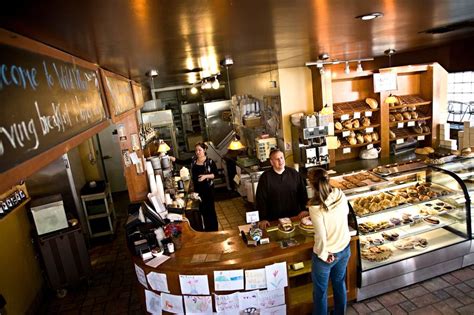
(464, 168)
(413, 227)
(217, 121)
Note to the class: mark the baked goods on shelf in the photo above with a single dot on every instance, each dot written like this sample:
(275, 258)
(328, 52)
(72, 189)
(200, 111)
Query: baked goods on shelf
(285, 225)
(360, 179)
(366, 121)
(398, 117)
(420, 192)
(390, 236)
(376, 253)
(391, 117)
(373, 104)
(347, 124)
(411, 243)
(375, 203)
(355, 123)
(375, 136)
(359, 138)
(392, 134)
(338, 125)
(406, 115)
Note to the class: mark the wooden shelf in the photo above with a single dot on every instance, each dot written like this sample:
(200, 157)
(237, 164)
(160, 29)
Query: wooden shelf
(351, 107)
(355, 129)
(394, 123)
(410, 100)
(408, 135)
(358, 145)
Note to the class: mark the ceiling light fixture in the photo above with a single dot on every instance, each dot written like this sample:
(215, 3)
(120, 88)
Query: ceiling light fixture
(369, 16)
(194, 90)
(359, 67)
(215, 84)
(347, 70)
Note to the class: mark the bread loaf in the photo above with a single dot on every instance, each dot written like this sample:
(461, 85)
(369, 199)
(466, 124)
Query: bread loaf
(398, 117)
(406, 115)
(366, 121)
(368, 137)
(392, 134)
(372, 102)
(426, 129)
(414, 115)
(391, 117)
(347, 124)
(360, 138)
(418, 129)
(352, 140)
(355, 123)
(375, 136)
(338, 125)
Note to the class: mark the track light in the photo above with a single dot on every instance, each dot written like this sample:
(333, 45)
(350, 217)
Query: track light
(194, 90)
(359, 67)
(215, 84)
(347, 70)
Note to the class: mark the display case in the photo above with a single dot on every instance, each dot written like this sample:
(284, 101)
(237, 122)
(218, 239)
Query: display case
(464, 168)
(414, 226)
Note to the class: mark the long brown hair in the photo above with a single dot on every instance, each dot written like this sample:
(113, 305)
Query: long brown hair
(319, 180)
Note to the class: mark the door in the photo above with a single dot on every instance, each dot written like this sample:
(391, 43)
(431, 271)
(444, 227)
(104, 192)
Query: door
(112, 158)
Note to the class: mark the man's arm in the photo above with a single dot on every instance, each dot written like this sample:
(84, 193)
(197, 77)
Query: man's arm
(261, 198)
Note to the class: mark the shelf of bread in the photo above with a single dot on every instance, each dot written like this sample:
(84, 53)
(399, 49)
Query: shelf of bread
(345, 144)
(408, 247)
(407, 121)
(409, 101)
(404, 133)
(348, 108)
(363, 128)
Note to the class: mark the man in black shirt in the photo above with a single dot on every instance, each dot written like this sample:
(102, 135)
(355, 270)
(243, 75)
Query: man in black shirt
(281, 192)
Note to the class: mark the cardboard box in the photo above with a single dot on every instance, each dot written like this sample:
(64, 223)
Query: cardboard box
(252, 121)
(192, 139)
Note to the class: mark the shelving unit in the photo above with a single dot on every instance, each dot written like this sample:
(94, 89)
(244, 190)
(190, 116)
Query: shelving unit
(99, 209)
(419, 87)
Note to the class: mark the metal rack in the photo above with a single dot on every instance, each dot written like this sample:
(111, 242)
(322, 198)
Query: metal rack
(99, 210)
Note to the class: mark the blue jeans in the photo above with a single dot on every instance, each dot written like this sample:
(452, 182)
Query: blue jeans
(320, 274)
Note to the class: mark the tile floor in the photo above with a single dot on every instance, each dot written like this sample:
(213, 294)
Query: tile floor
(112, 286)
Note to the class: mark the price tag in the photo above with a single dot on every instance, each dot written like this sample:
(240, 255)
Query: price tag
(252, 216)
(460, 201)
(346, 133)
(344, 117)
(411, 124)
(400, 125)
(420, 138)
(369, 130)
(368, 114)
(400, 141)
(370, 146)
(356, 115)
(346, 150)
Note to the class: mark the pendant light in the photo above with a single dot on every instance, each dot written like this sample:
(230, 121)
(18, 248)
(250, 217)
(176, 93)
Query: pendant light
(391, 100)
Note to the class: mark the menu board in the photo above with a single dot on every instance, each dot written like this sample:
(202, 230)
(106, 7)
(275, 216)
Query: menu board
(118, 92)
(47, 97)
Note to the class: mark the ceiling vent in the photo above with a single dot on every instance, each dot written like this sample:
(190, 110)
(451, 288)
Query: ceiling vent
(450, 27)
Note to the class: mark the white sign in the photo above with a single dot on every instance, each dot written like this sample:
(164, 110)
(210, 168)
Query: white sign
(370, 146)
(411, 124)
(420, 138)
(368, 114)
(400, 141)
(356, 115)
(252, 216)
(344, 117)
(369, 130)
(346, 133)
(385, 82)
(346, 150)
(400, 125)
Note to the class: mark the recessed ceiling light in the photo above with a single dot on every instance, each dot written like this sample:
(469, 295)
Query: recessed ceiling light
(369, 16)
(152, 73)
(390, 52)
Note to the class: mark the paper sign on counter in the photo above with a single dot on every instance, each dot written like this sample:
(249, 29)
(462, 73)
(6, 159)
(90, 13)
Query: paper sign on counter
(277, 310)
(228, 303)
(255, 279)
(271, 298)
(227, 280)
(247, 299)
(194, 284)
(276, 276)
(198, 304)
(141, 276)
(172, 303)
(158, 281)
(153, 302)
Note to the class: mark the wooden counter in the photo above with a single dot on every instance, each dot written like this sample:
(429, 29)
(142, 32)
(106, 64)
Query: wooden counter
(234, 254)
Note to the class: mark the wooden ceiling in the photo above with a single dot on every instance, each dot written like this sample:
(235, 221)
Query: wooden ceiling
(130, 37)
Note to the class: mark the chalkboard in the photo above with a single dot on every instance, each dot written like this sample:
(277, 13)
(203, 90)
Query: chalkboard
(44, 100)
(118, 92)
(138, 95)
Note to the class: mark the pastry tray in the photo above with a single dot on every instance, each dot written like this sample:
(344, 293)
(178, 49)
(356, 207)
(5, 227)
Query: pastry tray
(386, 170)
(370, 184)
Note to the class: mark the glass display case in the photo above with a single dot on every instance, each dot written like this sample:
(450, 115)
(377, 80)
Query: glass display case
(464, 168)
(413, 227)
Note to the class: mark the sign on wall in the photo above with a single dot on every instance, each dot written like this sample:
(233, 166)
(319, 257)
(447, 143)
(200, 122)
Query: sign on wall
(44, 100)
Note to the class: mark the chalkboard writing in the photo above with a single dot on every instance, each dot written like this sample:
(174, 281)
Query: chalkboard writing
(119, 93)
(44, 102)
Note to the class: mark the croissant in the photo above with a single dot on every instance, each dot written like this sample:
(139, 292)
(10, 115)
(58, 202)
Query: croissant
(359, 138)
(355, 123)
(368, 137)
(347, 124)
(366, 121)
(338, 125)
(391, 117)
(406, 115)
(375, 136)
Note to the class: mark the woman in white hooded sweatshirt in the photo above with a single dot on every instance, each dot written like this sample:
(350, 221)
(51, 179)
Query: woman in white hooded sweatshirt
(331, 251)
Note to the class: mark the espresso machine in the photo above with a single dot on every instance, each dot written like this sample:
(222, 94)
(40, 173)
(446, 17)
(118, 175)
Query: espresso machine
(309, 144)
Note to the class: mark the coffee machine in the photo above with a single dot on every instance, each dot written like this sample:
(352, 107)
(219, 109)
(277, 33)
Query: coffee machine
(309, 143)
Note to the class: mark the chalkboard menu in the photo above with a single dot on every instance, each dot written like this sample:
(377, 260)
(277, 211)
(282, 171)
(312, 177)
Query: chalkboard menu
(118, 92)
(44, 100)
(137, 95)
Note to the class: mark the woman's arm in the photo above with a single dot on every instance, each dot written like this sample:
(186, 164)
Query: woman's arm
(320, 234)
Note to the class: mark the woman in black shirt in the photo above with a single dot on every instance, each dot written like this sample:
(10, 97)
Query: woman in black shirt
(203, 171)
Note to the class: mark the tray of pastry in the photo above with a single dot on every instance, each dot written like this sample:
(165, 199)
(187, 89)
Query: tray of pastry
(390, 169)
(357, 181)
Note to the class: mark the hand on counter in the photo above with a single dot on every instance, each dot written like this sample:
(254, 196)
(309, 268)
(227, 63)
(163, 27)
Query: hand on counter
(303, 214)
(263, 224)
